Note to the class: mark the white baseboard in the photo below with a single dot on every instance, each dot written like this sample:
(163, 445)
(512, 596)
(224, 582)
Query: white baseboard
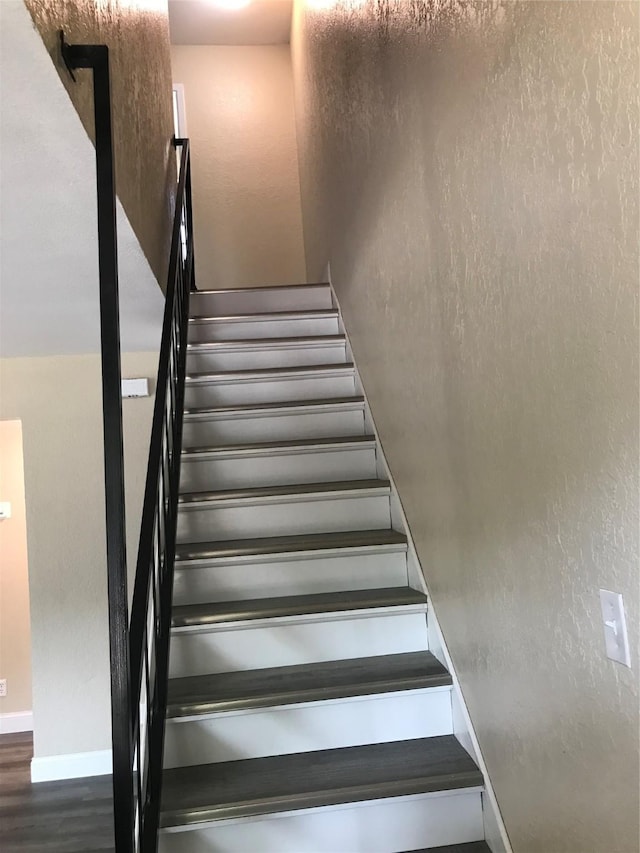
(74, 765)
(16, 721)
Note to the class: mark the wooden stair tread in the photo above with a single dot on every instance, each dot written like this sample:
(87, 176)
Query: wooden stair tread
(238, 409)
(215, 613)
(269, 316)
(259, 786)
(468, 847)
(296, 341)
(283, 445)
(285, 685)
(274, 545)
(257, 373)
(300, 490)
(313, 285)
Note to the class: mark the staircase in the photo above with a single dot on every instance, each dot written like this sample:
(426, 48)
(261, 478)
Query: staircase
(305, 712)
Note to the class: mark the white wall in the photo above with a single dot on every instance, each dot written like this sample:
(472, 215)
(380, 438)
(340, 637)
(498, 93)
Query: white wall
(246, 193)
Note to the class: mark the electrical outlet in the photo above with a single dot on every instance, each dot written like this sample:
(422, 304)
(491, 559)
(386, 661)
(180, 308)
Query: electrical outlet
(3, 686)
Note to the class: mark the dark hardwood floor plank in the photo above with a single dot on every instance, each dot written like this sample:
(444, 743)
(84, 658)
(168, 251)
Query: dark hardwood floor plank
(71, 816)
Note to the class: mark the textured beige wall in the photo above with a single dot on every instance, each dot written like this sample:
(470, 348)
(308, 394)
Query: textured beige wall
(470, 170)
(246, 190)
(15, 635)
(137, 34)
(59, 403)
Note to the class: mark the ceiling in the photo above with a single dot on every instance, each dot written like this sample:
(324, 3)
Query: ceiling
(204, 22)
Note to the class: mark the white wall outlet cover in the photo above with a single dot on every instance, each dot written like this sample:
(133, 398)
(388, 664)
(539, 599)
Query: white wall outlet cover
(615, 626)
(135, 387)
(5, 510)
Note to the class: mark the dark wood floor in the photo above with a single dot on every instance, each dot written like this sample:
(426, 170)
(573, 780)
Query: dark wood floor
(73, 816)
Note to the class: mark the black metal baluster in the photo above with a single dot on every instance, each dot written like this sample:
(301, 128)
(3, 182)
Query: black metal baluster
(139, 646)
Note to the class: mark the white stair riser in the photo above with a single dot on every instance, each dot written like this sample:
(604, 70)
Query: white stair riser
(239, 430)
(259, 300)
(250, 359)
(277, 469)
(239, 331)
(289, 644)
(284, 519)
(384, 826)
(237, 581)
(268, 391)
(320, 725)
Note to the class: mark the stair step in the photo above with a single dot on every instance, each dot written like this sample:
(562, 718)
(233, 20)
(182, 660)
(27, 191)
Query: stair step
(289, 685)
(264, 385)
(278, 324)
(236, 789)
(297, 297)
(289, 565)
(218, 614)
(279, 547)
(266, 353)
(315, 701)
(268, 421)
(291, 630)
(292, 508)
(380, 826)
(285, 509)
(282, 710)
(276, 408)
(270, 317)
(312, 371)
(283, 494)
(260, 289)
(469, 847)
(298, 342)
(278, 463)
(277, 448)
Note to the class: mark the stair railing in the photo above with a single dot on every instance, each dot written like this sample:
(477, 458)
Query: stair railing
(151, 608)
(139, 643)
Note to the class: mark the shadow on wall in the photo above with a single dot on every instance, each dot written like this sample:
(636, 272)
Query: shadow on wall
(474, 170)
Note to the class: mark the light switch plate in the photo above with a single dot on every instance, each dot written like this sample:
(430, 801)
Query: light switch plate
(615, 626)
(5, 510)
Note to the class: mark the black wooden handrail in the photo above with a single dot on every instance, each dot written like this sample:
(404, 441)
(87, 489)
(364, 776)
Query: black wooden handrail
(139, 645)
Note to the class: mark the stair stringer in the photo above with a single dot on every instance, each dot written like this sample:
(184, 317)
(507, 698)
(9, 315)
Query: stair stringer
(495, 831)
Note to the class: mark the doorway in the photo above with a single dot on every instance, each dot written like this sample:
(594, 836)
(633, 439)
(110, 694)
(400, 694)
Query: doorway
(15, 625)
